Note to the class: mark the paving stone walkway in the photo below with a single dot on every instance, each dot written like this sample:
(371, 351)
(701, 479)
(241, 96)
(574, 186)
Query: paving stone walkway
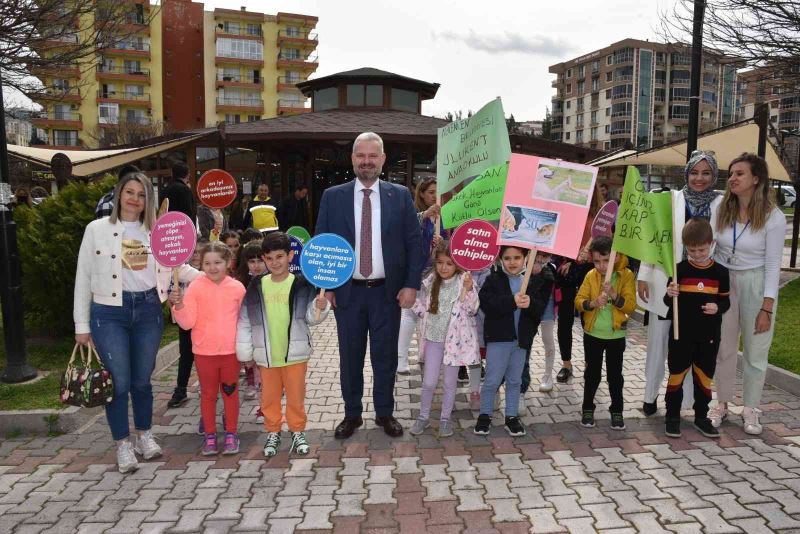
(559, 478)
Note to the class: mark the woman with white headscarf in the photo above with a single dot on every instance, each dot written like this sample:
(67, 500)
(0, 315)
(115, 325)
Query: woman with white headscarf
(697, 199)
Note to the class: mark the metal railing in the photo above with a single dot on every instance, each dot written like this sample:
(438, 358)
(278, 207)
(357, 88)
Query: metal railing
(124, 95)
(308, 36)
(238, 78)
(240, 102)
(128, 45)
(58, 92)
(284, 56)
(284, 103)
(252, 32)
(622, 78)
(57, 116)
(123, 70)
(289, 81)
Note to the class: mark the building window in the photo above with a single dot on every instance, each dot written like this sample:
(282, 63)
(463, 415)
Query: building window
(776, 90)
(679, 76)
(679, 94)
(253, 29)
(580, 106)
(609, 60)
(253, 118)
(569, 87)
(375, 95)
(593, 117)
(404, 100)
(709, 97)
(65, 137)
(579, 121)
(593, 134)
(608, 94)
(595, 84)
(291, 54)
(595, 66)
(581, 71)
(240, 48)
(579, 136)
(292, 76)
(679, 112)
(566, 136)
(292, 31)
(232, 119)
(109, 114)
(326, 99)
(608, 112)
(566, 119)
(569, 73)
(231, 27)
(355, 95)
(608, 128)
(608, 76)
(581, 87)
(569, 104)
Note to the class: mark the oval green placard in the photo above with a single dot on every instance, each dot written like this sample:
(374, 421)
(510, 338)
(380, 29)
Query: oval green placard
(299, 232)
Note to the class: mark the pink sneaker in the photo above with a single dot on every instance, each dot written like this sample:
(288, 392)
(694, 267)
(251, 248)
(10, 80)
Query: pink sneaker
(475, 400)
(210, 445)
(231, 443)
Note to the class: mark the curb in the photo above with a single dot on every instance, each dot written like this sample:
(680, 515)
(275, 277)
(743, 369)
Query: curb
(70, 418)
(777, 377)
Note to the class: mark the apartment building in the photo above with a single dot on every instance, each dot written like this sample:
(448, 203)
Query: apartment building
(636, 93)
(18, 126)
(178, 67)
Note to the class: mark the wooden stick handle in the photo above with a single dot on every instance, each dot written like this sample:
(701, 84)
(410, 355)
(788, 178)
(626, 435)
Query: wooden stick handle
(612, 259)
(675, 331)
(317, 311)
(528, 271)
(175, 280)
(436, 231)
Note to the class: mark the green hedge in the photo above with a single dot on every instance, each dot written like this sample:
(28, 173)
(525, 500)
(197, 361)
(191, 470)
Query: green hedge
(49, 237)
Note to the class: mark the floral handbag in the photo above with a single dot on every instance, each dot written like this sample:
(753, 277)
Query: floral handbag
(83, 385)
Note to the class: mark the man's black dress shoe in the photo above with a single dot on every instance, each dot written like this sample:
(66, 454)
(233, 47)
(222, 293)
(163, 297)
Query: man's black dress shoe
(346, 428)
(390, 426)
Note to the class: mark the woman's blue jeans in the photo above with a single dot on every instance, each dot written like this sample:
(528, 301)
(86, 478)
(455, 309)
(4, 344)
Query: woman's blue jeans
(127, 338)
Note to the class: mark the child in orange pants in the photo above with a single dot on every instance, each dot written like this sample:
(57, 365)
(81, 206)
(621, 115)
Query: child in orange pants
(273, 331)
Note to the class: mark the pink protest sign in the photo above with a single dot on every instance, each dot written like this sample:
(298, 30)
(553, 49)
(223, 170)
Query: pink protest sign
(546, 204)
(604, 220)
(173, 239)
(473, 245)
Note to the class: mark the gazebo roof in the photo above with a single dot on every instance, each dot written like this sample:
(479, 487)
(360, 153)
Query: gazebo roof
(336, 124)
(370, 75)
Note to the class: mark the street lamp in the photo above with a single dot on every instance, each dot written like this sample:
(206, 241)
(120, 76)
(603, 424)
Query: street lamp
(795, 218)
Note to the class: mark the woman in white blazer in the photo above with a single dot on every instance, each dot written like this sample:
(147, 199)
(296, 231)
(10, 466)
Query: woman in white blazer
(119, 289)
(697, 199)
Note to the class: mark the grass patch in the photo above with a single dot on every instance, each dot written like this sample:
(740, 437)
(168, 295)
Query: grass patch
(783, 352)
(50, 355)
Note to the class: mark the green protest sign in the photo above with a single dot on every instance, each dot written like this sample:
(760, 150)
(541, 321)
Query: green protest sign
(644, 223)
(481, 199)
(466, 148)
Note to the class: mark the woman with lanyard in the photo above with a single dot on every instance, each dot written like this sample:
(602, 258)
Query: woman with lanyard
(427, 213)
(750, 234)
(119, 289)
(697, 199)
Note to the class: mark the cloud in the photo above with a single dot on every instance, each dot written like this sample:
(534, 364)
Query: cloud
(508, 42)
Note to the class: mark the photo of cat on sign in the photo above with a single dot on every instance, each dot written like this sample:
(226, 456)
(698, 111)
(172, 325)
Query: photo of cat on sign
(562, 184)
(536, 227)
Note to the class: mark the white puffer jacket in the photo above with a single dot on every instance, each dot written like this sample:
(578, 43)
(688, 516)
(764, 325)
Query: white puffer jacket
(99, 274)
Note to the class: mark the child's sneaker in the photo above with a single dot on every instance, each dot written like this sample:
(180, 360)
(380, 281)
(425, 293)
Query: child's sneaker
(718, 414)
(250, 392)
(260, 417)
(705, 427)
(546, 385)
(299, 443)
(483, 425)
(146, 446)
(751, 424)
(617, 421)
(445, 428)
(231, 443)
(587, 418)
(475, 401)
(210, 445)
(126, 459)
(419, 426)
(514, 426)
(273, 444)
(673, 428)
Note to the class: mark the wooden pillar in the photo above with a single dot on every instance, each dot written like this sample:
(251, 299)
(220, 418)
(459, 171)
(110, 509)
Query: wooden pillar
(409, 165)
(191, 162)
(221, 146)
(308, 179)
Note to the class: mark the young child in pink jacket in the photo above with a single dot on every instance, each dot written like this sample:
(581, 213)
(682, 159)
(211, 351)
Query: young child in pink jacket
(210, 309)
(447, 306)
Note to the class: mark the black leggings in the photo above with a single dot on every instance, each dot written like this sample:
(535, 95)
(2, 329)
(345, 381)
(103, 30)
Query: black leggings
(186, 357)
(594, 348)
(566, 318)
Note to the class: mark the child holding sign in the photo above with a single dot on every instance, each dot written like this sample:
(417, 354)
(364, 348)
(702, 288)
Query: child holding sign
(510, 325)
(447, 307)
(702, 289)
(605, 307)
(273, 333)
(210, 310)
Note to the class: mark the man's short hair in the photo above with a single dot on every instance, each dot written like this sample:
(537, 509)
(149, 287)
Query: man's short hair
(276, 241)
(697, 232)
(368, 136)
(601, 245)
(180, 170)
(126, 169)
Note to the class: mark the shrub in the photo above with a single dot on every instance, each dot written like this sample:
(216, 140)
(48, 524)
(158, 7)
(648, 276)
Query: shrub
(49, 237)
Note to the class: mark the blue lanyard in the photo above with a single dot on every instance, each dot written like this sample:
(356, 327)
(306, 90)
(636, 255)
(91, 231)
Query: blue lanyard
(735, 237)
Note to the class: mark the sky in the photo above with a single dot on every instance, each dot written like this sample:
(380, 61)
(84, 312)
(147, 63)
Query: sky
(475, 50)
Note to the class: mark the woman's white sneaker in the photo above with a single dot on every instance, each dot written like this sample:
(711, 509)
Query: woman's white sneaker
(126, 459)
(146, 446)
(751, 423)
(718, 414)
(546, 385)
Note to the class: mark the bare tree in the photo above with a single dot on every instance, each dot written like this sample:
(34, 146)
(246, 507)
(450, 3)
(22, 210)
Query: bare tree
(764, 33)
(128, 132)
(40, 37)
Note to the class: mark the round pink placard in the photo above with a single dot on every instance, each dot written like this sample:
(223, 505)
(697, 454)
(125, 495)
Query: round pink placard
(473, 245)
(173, 239)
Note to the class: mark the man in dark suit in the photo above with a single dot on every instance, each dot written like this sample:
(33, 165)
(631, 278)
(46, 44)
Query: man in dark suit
(179, 193)
(379, 220)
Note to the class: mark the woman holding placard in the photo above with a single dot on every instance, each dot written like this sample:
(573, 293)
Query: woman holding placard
(119, 289)
(428, 214)
(697, 199)
(750, 233)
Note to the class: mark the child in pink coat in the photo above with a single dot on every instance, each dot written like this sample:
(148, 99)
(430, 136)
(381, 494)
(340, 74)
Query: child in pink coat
(447, 306)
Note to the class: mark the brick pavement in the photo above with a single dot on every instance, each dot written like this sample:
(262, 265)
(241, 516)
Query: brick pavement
(559, 478)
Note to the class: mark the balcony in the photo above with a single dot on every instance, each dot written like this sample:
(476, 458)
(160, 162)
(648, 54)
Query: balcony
(304, 39)
(127, 48)
(234, 104)
(288, 84)
(555, 83)
(246, 59)
(790, 104)
(658, 134)
(622, 78)
(247, 80)
(124, 97)
(55, 40)
(620, 134)
(595, 104)
(679, 119)
(62, 71)
(674, 136)
(658, 117)
(114, 121)
(622, 96)
(680, 81)
(660, 81)
(623, 59)
(254, 34)
(59, 119)
(72, 144)
(286, 61)
(57, 94)
(293, 107)
(141, 75)
(295, 18)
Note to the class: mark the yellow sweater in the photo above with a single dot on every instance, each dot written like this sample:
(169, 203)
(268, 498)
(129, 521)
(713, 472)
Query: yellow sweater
(592, 286)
